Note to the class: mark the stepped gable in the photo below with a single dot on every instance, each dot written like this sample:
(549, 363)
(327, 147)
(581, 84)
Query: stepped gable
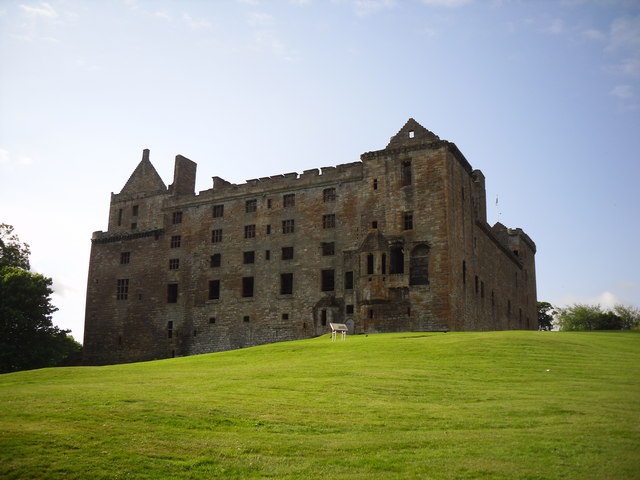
(144, 179)
(412, 133)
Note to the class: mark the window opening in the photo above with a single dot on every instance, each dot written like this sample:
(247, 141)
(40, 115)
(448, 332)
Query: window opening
(122, 289)
(251, 206)
(396, 260)
(370, 264)
(328, 277)
(286, 283)
(287, 253)
(289, 200)
(172, 293)
(218, 211)
(406, 173)
(174, 263)
(328, 248)
(375, 183)
(169, 329)
(407, 221)
(125, 257)
(134, 211)
(288, 226)
(177, 217)
(249, 231)
(249, 257)
(349, 309)
(419, 266)
(329, 194)
(216, 260)
(348, 280)
(247, 287)
(329, 221)
(216, 235)
(214, 289)
(323, 318)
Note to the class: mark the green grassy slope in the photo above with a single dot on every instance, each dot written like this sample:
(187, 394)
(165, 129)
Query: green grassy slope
(503, 405)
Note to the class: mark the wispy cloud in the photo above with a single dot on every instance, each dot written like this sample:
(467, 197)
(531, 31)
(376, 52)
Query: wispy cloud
(446, 3)
(368, 7)
(42, 10)
(259, 19)
(195, 23)
(623, 92)
(162, 14)
(253, 3)
(7, 159)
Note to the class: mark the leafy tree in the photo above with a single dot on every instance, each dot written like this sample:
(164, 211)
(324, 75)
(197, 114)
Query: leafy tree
(29, 338)
(13, 253)
(545, 316)
(629, 316)
(592, 317)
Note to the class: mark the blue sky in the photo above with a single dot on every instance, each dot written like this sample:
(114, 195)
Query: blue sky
(543, 97)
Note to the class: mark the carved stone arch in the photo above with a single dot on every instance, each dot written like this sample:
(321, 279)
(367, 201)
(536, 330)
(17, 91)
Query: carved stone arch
(419, 265)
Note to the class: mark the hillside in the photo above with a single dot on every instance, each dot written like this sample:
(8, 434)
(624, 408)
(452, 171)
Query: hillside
(498, 405)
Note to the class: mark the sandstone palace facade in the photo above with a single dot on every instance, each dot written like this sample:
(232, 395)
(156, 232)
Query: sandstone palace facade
(397, 241)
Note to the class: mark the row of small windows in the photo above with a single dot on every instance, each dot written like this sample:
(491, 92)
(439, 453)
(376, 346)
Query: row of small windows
(327, 284)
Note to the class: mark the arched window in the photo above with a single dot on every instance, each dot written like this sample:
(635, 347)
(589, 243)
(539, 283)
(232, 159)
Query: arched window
(419, 269)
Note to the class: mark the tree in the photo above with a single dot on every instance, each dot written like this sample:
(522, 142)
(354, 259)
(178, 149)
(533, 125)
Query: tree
(13, 253)
(29, 338)
(545, 316)
(592, 317)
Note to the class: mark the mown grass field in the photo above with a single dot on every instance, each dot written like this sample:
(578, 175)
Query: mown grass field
(498, 405)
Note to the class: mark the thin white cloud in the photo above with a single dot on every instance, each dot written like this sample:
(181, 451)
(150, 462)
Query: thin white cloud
(623, 92)
(625, 34)
(253, 3)
(7, 159)
(596, 35)
(367, 7)
(195, 23)
(42, 10)
(446, 3)
(163, 15)
(4, 156)
(259, 19)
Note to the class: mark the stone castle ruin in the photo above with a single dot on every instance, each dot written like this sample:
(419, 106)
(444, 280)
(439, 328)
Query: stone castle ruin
(397, 241)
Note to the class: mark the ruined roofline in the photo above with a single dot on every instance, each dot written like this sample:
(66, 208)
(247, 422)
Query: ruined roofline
(515, 232)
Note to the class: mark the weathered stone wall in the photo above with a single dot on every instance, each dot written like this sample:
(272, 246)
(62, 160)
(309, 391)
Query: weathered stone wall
(392, 232)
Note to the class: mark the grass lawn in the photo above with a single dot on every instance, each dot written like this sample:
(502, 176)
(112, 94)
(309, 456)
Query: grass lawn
(497, 405)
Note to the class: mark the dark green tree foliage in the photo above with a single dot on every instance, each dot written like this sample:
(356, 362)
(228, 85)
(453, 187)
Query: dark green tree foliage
(545, 316)
(29, 339)
(592, 317)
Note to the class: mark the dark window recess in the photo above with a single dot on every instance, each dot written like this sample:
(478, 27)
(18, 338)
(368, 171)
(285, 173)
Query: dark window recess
(251, 206)
(287, 253)
(374, 224)
(288, 226)
(349, 309)
(419, 266)
(371, 313)
(134, 211)
(125, 257)
(216, 235)
(249, 231)
(375, 183)
(218, 211)
(406, 173)
(327, 280)
(122, 289)
(216, 260)
(286, 283)
(269, 203)
(212, 319)
(247, 287)
(267, 254)
(119, 217)
(246, 319)
(396, 260)
(177, 217)
(323, 318)
(175, 241)
(214, 289)
(348, 280)
(383, 264)
(172, 293)
(268, 229)
(329, 194)
(285, 316)
(134, 225)
(329, 221)
(249, 257)
(407, 221)
(174, 263)
(370, 264)
(289, 200)
(328, 248)
(170, 329)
